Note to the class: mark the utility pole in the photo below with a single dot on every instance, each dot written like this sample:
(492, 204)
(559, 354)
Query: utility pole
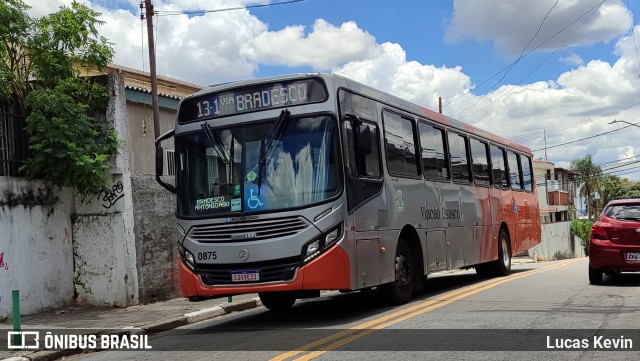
(152, 69)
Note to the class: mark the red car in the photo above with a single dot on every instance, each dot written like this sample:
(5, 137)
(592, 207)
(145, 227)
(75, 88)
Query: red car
(615, 240)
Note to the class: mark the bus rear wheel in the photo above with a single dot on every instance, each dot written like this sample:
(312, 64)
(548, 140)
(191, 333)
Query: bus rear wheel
(277, 301)
(400, 291)
(501, 266)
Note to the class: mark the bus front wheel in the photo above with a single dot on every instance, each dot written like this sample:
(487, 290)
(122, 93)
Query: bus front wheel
(276, 301)
(401, 290)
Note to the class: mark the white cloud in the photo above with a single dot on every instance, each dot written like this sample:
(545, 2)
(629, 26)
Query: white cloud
(511, 25)
(325, 47)
(219, 47)
(572, 59)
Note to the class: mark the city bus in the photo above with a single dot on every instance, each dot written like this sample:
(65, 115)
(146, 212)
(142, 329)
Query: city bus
(291, 185)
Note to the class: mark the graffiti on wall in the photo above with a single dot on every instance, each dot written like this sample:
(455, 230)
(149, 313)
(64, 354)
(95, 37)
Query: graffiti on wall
(108, 197)
(3, 265)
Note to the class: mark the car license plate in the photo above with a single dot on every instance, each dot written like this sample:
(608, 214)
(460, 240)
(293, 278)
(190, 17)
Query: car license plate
(633, 257)
(245, 276)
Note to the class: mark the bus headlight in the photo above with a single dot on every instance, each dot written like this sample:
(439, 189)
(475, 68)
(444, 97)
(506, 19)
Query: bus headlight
(314, 248)
(187, 257)
(333, 236)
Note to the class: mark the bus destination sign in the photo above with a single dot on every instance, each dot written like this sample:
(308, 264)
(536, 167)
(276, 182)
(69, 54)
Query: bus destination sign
(252, 98)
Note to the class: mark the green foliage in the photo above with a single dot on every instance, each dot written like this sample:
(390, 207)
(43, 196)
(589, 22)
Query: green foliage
(65, 39)
(582, 228)
(67, 146)
(15, 26)
(587, 176)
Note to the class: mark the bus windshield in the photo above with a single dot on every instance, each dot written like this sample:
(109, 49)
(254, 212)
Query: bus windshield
(219, 172)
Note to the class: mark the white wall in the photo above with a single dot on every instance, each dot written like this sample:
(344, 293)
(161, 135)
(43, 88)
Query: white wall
(35, 245)
(556, 243)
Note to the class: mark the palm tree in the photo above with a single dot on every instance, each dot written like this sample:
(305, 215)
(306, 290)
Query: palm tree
(588, 179)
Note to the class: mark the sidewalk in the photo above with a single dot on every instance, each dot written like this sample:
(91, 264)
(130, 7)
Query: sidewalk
(150, 318)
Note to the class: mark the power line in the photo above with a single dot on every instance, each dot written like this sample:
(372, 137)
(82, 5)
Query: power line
(197, 12)
(525, 47)
(531, 72)
(529, 52)
(594, 118)
(579, 140)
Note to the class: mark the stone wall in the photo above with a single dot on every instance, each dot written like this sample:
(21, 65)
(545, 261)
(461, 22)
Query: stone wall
(155, 239)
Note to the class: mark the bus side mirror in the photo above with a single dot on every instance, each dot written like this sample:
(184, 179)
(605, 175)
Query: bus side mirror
(361, 135)
(160, 161)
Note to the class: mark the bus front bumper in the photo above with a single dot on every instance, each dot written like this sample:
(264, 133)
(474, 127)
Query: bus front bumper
(330, 271)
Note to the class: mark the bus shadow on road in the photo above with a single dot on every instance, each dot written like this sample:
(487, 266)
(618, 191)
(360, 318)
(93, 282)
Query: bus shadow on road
(335, 309)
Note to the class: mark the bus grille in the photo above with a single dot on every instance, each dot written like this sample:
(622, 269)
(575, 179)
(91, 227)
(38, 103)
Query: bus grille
(249, 231)
(270, 271)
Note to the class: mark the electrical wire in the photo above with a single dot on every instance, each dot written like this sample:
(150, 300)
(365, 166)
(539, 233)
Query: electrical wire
(579, 140)
(529, 52)
(198, 12)
(594, 118)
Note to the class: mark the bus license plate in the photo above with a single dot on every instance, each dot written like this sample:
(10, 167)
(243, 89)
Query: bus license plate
(633, 257)
(245, 276)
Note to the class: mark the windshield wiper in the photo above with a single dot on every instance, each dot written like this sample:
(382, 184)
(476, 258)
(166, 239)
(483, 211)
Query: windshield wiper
(265, 149)
(216, 143)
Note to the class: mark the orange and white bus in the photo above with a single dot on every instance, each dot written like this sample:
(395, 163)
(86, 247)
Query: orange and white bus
(291, 185)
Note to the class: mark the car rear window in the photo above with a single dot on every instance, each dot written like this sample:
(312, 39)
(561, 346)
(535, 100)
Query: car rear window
(630, 212)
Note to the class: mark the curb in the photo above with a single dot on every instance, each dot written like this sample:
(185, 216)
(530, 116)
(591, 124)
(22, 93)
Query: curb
(149, 329)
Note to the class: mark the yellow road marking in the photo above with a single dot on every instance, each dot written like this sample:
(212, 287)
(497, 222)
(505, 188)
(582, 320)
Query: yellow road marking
(361, 330)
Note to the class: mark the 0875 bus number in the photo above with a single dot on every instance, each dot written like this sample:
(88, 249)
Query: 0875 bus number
(207, 256)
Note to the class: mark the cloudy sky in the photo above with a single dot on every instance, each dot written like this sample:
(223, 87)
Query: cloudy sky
(538, 72)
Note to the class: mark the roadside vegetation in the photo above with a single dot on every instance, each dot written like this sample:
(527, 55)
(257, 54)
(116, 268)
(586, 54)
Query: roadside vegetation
(40, 63)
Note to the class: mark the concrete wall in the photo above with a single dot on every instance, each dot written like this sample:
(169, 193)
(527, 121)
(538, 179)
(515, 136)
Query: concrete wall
(154, 207)
(36, 253)
(557, 243)
(103, 240)
(142, 142)
(155, 239)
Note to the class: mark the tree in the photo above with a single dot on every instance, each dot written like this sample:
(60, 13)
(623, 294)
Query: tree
(587, 178)
(611, 187)
(67, 145)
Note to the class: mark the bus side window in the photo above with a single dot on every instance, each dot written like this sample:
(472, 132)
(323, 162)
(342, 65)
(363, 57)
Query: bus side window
(499, 167)
(400, 145)
(434, 155)
(527, 173)
(363, 164)
(480, 167)
(515, 171)
(459, 158)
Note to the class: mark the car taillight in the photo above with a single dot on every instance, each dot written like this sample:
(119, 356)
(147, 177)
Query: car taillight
(599, 233)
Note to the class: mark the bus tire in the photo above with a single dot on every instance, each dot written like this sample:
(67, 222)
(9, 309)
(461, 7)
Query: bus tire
(277, 301)
(400, 291)
(501, 266)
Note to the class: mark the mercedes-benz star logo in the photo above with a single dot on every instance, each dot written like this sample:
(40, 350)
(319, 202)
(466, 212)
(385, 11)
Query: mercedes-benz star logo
(244, 254)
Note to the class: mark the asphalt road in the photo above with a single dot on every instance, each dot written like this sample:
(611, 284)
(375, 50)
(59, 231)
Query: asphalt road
(538, 312)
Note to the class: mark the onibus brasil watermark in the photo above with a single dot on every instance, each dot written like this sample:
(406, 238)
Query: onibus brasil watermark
(36, 340)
